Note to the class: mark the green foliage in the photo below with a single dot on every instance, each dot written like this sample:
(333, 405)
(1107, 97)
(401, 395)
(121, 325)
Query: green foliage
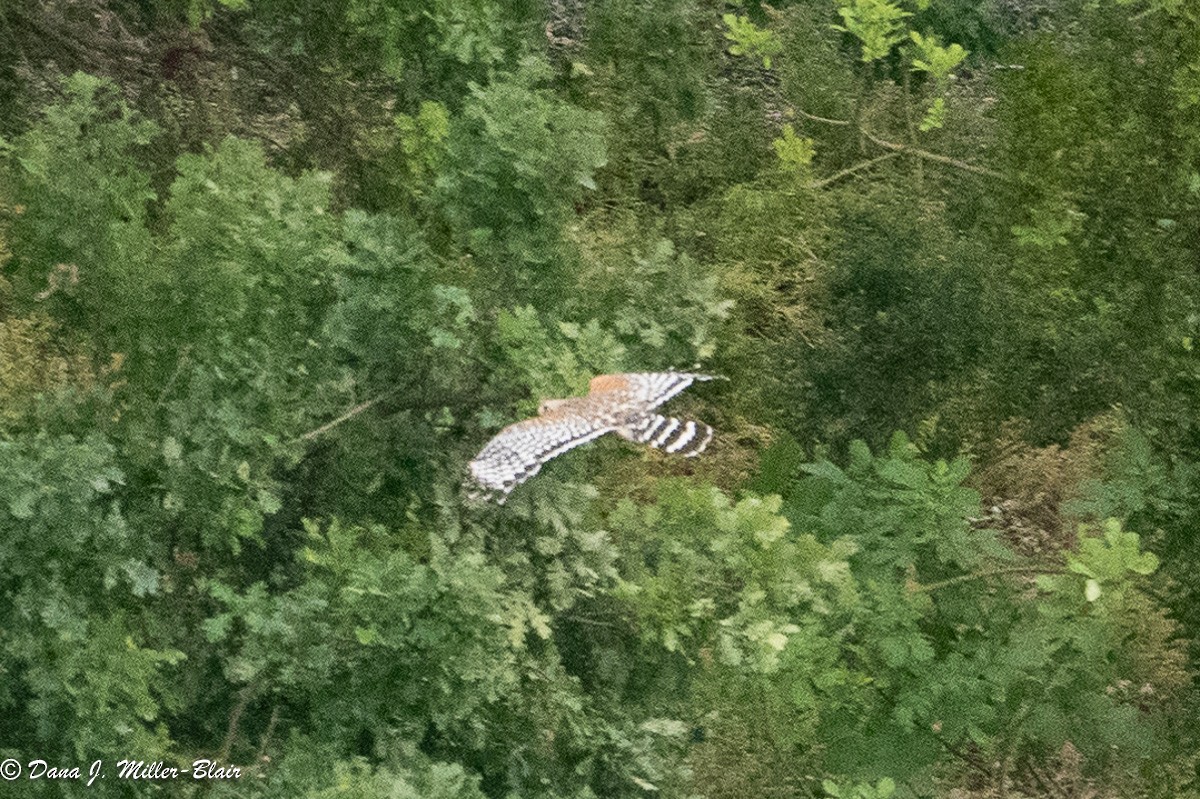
(938, 62)
(615, 323)
(518, 158)
(935, 115)
(63, 478)
(82, 676)
(200, 10)
(932, 58)
(317, 772)
(422, 139)
(81, 238)
(1050, 227)
(794, 152)
(881, 790)
(1108, 559)
(920, 511)
(420, 639)
(877, 24)
(1049, 643)
(701, 544)
(35, 363)
(249, 246)
(556, 362)
(892, 600)
(405, 154)
(626, 289)
(475, 35)
(815, 74)
(908, 324)
(248, 255)
(652, 63)
(651, 69)
(750, 40)
(390, 312)
(240, 377)
(1140, 486)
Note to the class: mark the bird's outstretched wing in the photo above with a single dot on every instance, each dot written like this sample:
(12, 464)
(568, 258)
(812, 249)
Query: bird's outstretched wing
(621, 403)
(518, 451)
(650, 389)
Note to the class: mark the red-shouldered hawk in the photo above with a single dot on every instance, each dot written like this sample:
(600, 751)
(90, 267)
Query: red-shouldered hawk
(620, 404)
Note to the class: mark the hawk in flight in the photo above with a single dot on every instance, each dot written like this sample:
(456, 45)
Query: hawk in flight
(623, 404)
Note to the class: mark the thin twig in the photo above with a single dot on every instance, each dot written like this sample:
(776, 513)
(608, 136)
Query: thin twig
(964, 578)
(1009, 755)
(348, 415)
(905, 148)
(816, 118)
(179, 364)
(939, 159)
(593, 622)
(262, 747)
(970, 761)
(911, 127)
(804, 337)
(823, 182)
(244, 697)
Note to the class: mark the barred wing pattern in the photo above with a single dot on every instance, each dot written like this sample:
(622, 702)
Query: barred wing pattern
(618, 403)
(519, 450)
(650, 389)
(671, 435)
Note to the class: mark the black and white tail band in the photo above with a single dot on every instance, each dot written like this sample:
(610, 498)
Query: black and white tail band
(671, 435)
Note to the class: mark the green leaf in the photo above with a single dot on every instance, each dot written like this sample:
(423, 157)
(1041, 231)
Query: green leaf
(878, 25)
(903, 473)
(143, 578)
(172, 450)
(269, 502)
(443, 339)
(931, 57)
(23, 505)
(794, 152)
(935, 115)
(750, 40)
(825, 470)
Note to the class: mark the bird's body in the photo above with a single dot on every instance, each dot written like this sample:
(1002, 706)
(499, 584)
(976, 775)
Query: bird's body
(619, 403)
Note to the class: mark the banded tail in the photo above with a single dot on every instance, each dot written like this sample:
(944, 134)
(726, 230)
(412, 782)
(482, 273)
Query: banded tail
(673, 436)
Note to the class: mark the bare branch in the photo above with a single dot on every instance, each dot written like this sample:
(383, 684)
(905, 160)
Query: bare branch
(823, 182)
(816, 118)
(244, 697)
(266, 739)
(939, 159)
(963, 578)
(901, 148)
(345, 417)
(593, 622)
(180, 362)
